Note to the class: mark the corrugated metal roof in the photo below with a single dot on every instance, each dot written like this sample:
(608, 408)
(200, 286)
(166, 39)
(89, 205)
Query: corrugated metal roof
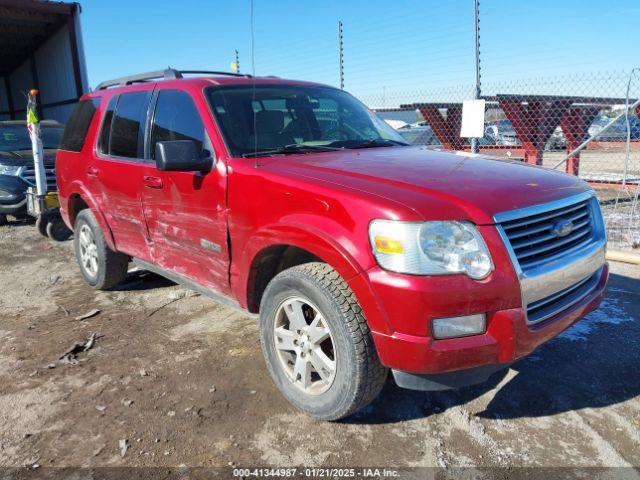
(27, 24)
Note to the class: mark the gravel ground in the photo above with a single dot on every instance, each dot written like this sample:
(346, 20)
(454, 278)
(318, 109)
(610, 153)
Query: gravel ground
(176, 379)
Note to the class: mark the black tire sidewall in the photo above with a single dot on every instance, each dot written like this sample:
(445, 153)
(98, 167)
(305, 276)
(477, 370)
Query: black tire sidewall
(340, 396)
(57, 230)
(41, 225)
(86, 217)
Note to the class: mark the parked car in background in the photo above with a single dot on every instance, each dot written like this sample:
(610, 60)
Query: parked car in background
(557, 140)
(500, 132)
(618, 131)
(17, 171)
(419, 133)
(396, 124)
(360, 253)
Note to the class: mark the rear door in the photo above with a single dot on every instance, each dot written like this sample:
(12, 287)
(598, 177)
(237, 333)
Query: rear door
(186, 211)
(119, 168)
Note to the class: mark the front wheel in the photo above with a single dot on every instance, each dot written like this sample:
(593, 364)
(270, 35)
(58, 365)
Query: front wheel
(101, 267)
(317, 344)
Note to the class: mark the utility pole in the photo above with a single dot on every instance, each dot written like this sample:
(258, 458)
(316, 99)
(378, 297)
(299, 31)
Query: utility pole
(474, 141)
(341, 54)
(237, 63)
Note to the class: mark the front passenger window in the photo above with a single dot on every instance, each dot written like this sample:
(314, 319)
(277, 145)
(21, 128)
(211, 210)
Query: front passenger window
(176, 118)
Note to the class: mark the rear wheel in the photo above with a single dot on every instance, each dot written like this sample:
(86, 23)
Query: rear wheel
(101, 267)
(3, 219)
(317, 344)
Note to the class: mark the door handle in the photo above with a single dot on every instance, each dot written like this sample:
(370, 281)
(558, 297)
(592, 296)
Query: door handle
(92, 171)
(152, 182)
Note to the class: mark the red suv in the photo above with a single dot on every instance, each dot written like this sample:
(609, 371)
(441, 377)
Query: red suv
(360, 253)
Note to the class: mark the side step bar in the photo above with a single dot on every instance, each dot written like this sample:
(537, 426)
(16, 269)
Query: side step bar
(191, 285)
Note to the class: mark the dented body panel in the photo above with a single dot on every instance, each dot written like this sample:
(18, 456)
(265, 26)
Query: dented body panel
(212, 227)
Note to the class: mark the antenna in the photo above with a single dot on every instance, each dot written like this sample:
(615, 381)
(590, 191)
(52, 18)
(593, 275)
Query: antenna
(253, 86)
(474, 141)
(237, 62)
(341, 54)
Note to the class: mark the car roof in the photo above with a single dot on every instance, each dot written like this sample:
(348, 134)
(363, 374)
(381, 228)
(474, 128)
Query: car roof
(204, 81)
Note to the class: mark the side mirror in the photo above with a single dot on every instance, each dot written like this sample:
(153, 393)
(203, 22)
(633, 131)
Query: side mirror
(180, 156)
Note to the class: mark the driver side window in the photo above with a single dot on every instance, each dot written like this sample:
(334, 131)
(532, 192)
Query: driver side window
(176, 118)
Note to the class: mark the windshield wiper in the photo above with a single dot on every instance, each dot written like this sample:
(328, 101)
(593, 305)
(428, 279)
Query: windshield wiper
(375, 142)
(291, 150)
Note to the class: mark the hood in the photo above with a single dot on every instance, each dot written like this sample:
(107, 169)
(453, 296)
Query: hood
(473, 186)
(21, 158)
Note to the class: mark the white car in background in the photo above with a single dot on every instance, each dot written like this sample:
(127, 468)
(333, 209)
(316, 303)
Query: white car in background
(419, 133)
(396, 124)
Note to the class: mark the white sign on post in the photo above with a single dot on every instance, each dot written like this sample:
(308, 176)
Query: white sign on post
(472, 119)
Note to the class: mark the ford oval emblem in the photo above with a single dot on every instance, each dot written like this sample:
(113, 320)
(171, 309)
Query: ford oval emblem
(562, 228)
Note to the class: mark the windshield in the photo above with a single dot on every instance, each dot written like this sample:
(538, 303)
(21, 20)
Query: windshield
(283, 119)
(16, 137)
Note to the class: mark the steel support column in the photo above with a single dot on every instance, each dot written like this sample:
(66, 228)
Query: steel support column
(534, 122)
(575, 126)
(447, 130)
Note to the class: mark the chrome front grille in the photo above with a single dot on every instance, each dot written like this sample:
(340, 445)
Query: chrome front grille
(562, 300)
(536, 239)
(557, 250)
(28, 174)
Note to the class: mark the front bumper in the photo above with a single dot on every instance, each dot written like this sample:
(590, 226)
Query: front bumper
(12, 195)
(508, 338)
(19, 208)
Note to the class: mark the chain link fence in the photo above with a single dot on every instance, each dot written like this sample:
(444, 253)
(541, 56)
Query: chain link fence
(586, 125)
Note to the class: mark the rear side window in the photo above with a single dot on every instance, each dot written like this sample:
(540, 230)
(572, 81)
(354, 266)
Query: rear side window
(176, 118)
(105, 133)
(76, 130)
(127, 128)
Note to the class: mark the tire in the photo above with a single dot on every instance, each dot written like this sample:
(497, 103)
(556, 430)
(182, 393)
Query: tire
(358, 376)
(57, 230)
(101, 267)
(41, 225)
(3, 219)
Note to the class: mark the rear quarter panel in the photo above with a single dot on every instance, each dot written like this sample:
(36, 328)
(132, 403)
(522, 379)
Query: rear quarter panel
(71, 168)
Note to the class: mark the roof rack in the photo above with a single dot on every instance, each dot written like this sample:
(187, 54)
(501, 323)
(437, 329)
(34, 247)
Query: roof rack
(166, 74)
(214, 72)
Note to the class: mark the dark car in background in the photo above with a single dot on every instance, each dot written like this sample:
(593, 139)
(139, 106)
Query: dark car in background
(17, 172)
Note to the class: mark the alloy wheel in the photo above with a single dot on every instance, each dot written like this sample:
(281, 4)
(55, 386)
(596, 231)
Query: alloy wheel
(88, 251)
(305, 346)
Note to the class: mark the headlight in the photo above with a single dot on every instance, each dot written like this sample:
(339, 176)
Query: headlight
(9, 170)
(430, 248)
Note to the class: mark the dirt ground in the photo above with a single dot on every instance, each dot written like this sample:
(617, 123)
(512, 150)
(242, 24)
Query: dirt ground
(180, 381)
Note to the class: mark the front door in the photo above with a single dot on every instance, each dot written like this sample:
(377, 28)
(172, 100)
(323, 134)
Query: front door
(118, 169)
(186, 212)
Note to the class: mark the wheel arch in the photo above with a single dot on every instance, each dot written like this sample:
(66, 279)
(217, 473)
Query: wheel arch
(81, 200)
(287, 246)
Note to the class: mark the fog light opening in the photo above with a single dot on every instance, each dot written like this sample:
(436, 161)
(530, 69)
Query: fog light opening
(456, 327)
